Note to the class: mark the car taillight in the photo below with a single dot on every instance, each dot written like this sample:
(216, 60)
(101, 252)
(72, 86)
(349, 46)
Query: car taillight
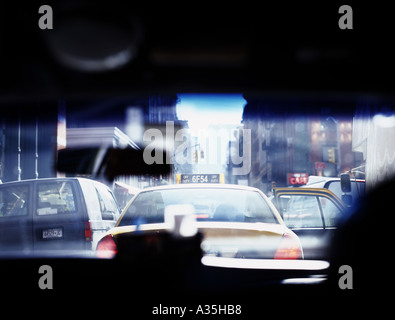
(289, 248)
(88, 231)
(107, 248)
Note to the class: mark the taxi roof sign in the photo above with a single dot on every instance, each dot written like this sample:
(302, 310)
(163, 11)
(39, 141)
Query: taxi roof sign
(200, 178)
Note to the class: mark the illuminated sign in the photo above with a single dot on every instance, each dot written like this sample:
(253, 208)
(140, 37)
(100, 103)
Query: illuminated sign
(298, 178)
(200, 178)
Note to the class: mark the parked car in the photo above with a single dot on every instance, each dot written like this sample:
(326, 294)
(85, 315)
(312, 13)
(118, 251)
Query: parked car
(313, 214)
(55, 213)
(235, 221)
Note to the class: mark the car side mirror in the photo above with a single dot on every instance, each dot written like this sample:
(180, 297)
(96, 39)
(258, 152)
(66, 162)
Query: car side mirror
(345, 183)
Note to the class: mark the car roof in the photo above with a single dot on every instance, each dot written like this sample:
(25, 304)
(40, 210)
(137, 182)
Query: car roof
(322, 182)
(202, 186)
(45, 179)
(316, 179)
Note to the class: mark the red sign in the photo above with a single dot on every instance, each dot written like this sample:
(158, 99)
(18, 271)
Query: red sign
(298, 178)
(320, 165)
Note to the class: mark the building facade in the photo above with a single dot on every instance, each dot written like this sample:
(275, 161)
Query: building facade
(288, 147)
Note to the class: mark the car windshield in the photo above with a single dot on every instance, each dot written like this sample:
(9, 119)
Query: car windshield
(226, 155)
(172, 149)
(209, 204)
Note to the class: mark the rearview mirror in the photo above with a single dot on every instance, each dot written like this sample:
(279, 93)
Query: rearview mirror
(108, 162)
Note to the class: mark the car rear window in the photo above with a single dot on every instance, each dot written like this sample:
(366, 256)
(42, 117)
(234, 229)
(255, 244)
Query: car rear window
(209, 205)
(301, 211)
(55, 198)
(14, 201)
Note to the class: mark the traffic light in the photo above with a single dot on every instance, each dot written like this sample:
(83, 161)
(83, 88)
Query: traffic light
(331, 155)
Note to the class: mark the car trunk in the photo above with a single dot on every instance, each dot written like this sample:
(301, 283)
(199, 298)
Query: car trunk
(241, 240)
(225, 239)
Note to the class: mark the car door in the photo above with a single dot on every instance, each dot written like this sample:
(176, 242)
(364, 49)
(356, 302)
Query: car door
(16, 217)
(58, 218)
(109, 209)
(313, 214)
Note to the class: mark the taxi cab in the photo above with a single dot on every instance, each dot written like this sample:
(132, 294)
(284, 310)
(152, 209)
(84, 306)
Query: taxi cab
(235, 221)
(313, 214)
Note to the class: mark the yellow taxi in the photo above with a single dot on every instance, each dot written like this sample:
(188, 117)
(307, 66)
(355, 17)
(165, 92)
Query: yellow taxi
(313, 214)
(234, 221)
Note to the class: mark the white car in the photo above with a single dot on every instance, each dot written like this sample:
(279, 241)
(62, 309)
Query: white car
(55, 214)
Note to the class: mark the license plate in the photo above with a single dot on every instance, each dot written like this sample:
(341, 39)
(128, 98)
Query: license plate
(54, 233)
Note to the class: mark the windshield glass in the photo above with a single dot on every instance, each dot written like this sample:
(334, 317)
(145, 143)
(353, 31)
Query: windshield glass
(69, 201)
(208, 205)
